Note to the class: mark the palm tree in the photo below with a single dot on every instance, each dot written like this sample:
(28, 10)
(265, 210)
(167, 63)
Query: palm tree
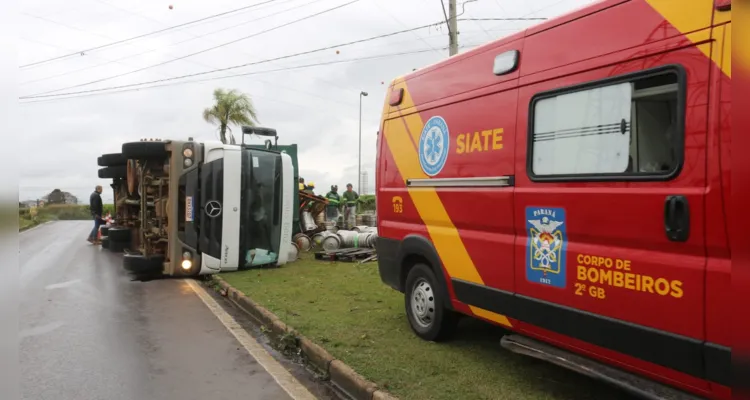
(231, 107)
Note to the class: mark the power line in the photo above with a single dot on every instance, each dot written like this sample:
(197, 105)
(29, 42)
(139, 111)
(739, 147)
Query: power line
(442, 3)
(50, 94)
(503, 19)
(198, 52)
(404, 25)
(250, 63)
(131, 87)
(138, 36)
(171, 44)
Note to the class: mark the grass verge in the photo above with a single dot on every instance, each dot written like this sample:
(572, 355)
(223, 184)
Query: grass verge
(345, 308)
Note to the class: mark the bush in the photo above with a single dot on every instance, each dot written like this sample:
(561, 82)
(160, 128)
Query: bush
(62, 212)
(367, 202)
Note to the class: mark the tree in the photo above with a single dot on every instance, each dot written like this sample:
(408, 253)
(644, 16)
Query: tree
(230, 108)
(56, 196)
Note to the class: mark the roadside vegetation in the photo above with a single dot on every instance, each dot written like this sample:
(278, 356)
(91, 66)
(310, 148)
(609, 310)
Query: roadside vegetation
(345, 308)
(31, 217)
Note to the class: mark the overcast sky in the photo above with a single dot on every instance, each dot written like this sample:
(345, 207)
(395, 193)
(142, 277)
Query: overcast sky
(314, 107)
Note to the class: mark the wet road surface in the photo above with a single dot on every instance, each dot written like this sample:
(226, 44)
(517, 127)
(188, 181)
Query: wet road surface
(88, 331)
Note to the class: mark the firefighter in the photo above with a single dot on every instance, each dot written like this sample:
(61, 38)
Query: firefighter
(310, 188)
(302, 183)
(334, 203)
(350, 198)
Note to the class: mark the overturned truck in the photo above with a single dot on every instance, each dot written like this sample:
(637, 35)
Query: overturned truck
(185, 208)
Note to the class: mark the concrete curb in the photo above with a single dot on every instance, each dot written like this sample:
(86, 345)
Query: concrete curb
(31, 228)
(341, 375)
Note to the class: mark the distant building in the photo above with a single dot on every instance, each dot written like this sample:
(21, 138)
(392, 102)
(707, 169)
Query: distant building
(27, 204)
(57, 196)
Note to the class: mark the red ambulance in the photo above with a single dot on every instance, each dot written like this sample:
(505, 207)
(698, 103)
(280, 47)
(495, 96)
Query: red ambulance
(571, 183)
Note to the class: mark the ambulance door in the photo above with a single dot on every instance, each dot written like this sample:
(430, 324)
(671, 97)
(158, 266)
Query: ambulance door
(610, 202)
(719, 307)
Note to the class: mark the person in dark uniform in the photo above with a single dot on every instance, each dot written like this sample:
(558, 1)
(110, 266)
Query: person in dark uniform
(97, 209)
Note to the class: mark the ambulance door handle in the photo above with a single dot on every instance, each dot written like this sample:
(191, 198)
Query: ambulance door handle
(677, 218)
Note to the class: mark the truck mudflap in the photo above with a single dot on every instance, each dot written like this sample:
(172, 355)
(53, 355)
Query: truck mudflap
(638, 386)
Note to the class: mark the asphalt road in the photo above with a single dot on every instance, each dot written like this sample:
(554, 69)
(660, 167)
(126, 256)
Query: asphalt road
(88, 331)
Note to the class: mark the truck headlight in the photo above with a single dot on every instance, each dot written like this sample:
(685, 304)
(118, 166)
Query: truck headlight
(187, 153)
(186, 255)
(186, 264)
(188, 162)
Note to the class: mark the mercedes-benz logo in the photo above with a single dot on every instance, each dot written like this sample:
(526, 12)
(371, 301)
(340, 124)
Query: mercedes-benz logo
(213, 208)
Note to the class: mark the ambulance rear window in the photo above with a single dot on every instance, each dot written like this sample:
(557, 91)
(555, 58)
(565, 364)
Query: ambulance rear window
(623, 129)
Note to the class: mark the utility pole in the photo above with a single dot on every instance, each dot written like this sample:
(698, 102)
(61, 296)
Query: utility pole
(452, 28)
(359, 159)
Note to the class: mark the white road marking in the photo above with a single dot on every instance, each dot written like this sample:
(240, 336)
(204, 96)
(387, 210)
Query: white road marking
(62, 284)
(287, 382)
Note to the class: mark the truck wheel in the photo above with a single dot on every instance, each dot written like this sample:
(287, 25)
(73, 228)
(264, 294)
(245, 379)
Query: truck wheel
(424, 306)
(105, 242)
(103, 230)
(115, 172)
(140, 265)
(117, 247)
(144, 150)
(111, 160)
(118, 234)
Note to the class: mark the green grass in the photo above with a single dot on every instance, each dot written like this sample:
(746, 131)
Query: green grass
(55, 212)
(347, 309)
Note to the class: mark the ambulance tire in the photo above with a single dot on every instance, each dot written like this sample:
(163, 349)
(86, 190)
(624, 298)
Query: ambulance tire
(144, 150)
(119, 171)
(422, 284)
(118, 234)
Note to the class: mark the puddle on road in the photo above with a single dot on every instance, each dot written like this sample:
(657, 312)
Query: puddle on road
(62, 284)
(40, 330)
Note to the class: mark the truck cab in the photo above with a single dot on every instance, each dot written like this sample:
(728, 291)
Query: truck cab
(200, 208)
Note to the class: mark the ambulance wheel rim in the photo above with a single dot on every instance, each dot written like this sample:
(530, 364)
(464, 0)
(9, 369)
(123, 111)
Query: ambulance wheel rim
(423, 303)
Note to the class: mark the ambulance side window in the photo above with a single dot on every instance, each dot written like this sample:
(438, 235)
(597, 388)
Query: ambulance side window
(624, 129)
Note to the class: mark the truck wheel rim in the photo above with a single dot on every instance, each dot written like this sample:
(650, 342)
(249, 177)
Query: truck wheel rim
(423, 303)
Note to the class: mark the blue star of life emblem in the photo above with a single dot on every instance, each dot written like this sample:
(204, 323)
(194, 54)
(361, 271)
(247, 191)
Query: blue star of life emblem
(434, 144)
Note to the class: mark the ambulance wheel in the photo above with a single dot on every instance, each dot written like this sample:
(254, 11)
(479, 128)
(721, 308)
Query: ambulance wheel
(424, 306)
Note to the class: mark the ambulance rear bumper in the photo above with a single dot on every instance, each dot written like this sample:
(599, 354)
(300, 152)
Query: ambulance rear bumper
(389, 265)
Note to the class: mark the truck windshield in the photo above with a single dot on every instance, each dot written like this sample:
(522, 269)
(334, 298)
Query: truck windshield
(260, 216)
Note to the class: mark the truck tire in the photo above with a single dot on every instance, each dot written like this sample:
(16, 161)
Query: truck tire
(117, 247)
(103, 230)
(105, 242)
(424, 306)
(111, 160)
(118, 234)
(144, 150)
(119, 171)
(140, 265)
